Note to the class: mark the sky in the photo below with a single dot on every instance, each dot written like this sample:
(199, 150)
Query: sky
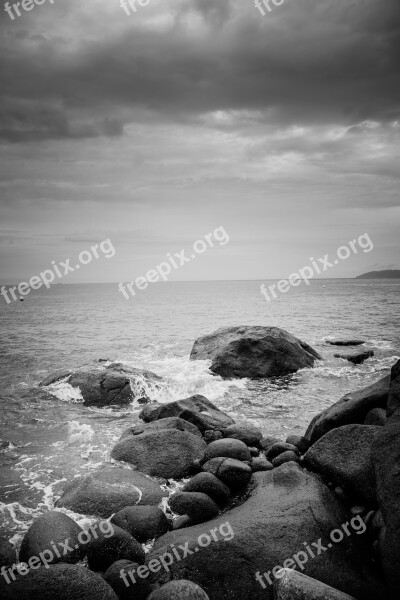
(155, 128)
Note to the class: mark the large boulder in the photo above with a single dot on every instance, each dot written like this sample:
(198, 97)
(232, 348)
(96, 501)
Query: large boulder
(253, 352)
(386, 457)
(113, 385)
(287, 507)
(229, 448)
(104, 550)
(167, 453)
(109, 490)
(170, 423)
(245, 432)
(197, 409)
(53, 528)
(143, 522)
(394, 390)
(344, 456)
(60, 582)
(352, 408)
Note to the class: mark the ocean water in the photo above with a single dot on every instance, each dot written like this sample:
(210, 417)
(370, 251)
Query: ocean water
(54, 438)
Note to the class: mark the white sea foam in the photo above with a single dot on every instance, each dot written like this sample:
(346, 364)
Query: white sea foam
(65, 392)
(78, 433)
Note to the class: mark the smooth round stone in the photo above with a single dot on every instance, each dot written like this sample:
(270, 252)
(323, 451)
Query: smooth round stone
(247, 433)
(260, 463)
(127, 588)
(228, 447)
(233, 473)
(182, 522)
(209, 484)
(212, 436)
(280, 448)
(268, 441)
(143, 522)
(285, 457)
(179, 590)
(197, 505)
(104, 551)
(301, 443)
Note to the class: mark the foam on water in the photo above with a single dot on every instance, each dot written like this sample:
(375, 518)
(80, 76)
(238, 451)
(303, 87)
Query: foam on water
(65, 392)
(78, 433)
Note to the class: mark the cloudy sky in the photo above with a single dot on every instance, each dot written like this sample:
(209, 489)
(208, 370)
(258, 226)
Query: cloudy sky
(153, 129)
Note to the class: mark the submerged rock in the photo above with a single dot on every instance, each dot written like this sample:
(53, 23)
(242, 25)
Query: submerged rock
(253, 352)
(113, 385)
(352, 408)
(356, 357)
(344, 456)
(345, 342)
(286, 508)
(167, 453)
(109, 490)
(197, 409)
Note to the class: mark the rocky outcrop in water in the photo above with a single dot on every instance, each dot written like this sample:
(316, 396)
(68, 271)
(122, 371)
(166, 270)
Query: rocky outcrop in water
(253, 352)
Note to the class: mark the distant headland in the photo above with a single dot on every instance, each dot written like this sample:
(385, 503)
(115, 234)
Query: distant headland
(388, 274)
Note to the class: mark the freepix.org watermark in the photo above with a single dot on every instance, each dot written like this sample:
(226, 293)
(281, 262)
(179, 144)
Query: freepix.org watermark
(128, 5)
(178, 260)
(48, 276)
(58, 550)
(321, 265)
(13, 10)
(263, 5)
(301, 558)
(179, 553)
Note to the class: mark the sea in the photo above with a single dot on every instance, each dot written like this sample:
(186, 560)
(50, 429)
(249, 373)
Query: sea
(54, 438)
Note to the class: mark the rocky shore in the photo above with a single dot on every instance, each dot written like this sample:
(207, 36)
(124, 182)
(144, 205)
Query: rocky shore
(253, 517)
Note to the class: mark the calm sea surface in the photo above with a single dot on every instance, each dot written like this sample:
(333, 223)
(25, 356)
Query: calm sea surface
(55, 438)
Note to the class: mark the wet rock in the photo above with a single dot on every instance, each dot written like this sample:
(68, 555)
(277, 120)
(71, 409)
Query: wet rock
(209, 484)
(212, 436)
(377, 417)
(165, 453)
(144, 523)
(253, 352)
(260, 463)
(285, 457)
(301, 443)
(352, 408)
(196, 409)
(267, 441)
(345, 342)
(229, 448)
(122, 576)
(356, 357)
(106, 549)
(171, 423)
(254, 451)
(291, 585)
(109, 490)
(55, 377)
(8, 555)
(179, 590)
(344, 455)
(280, 448)
(286, 507)
(182, 522)
(53, 527)
(60, 582)
(233, 473)
(197, 505)
(394, 390)
(247, 433)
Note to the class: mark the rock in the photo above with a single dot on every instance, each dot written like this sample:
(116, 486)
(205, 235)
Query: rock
(8, 555)
(106, 549)
(53, 527)
(106, 386)
(181, 522)
(109, 490)
(285, 457)
(301, 443)
(260, 463)
(286, 507)
(345, 342)
(352, 408)
(171, 423)
(394, 391)
(123, 578)
(377, 417)
(60, 582)
(279, 448)
(209, 484)
(356, 357)
(268, 441)
(291, 585)
(196, 409)
(344, 455)
(253, 352)
(197, 505)
(229, 448)
(233, 473)
(167, 453)
(212, 436)
(386, 458)
(144, 523)
(179, 590)
(254, 452)
(247, 433)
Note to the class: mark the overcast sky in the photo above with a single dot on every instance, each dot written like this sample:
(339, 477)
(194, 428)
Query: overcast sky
(154, 129)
